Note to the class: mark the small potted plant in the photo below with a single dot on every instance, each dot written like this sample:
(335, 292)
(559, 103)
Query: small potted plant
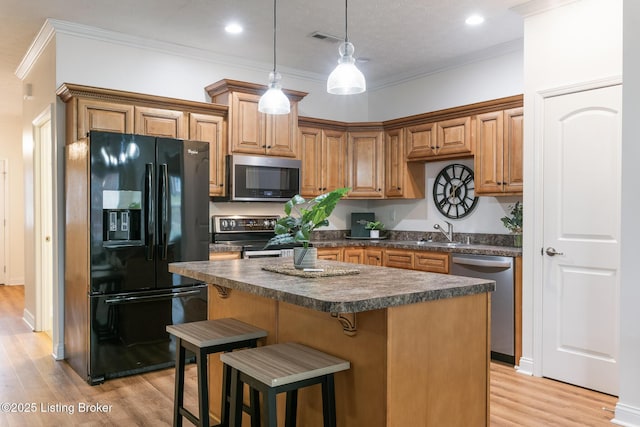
(301, 218)
(514, 223)
(374, 228)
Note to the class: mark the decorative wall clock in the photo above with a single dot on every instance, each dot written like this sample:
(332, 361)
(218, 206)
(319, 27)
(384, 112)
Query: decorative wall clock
(453, 191)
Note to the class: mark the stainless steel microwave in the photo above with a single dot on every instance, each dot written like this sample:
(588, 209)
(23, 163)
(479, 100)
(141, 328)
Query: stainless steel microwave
(262, 178)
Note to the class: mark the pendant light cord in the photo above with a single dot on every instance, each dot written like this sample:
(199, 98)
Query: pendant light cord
(346, 23)
(274, 36)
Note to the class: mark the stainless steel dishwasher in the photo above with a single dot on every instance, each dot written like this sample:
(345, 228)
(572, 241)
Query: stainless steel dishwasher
(500, 269)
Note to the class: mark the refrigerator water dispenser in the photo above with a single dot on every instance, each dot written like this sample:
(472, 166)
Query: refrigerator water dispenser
(121, 215)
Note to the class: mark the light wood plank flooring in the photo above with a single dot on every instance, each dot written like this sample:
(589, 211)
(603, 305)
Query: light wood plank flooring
(29, 375)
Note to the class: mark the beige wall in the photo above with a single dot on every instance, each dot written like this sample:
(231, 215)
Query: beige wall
(42, 79)
(11, 150)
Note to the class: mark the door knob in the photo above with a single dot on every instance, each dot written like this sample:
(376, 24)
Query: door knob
(552, 252)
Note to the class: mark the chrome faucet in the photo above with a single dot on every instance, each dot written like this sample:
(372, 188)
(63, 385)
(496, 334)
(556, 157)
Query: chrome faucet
(449, 233)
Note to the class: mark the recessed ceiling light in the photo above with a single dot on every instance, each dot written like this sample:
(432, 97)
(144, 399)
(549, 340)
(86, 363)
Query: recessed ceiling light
(474, 20)
(233, 28)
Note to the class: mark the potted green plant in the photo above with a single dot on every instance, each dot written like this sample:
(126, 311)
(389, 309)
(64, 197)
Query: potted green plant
(374, 228)
(301, 218)
(514, 223)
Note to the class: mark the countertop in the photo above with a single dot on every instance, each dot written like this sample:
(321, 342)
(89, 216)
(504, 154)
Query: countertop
(400, 244)
(373, 288)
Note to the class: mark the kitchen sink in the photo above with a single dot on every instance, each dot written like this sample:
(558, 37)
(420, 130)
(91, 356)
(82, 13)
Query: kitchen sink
(441, 244)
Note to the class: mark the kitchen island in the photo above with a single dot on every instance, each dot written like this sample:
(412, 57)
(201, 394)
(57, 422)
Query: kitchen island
(418, 342)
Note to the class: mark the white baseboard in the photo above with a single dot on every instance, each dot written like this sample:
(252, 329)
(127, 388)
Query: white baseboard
(626, 415)
(13, 282)
(58, 351)
(525, 366)
(29, 319)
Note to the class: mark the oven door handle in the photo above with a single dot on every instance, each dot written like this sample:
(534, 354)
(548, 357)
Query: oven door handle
(149, 298)
(257, 254)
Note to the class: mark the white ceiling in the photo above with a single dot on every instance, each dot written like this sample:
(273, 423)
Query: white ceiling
(401, 38)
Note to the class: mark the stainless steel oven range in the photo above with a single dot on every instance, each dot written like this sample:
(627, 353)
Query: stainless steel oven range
(251, 232)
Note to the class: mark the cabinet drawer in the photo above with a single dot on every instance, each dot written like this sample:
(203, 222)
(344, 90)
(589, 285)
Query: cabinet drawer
(330, 254)
(434, 262)
(398, 258)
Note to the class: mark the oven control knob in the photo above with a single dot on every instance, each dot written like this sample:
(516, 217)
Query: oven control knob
(223, 223)
(273, 223)
(232, 223)
(266, 223)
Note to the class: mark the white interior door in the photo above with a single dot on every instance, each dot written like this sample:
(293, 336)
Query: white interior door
(582, 177)
(3, 221)
(44, 212)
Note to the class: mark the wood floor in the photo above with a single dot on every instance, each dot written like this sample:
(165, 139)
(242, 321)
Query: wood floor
(31, 380)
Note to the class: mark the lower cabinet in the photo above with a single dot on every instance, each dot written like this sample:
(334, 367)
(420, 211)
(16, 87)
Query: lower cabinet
(373, 256)
(220, 256)
(330, 254)
(353, 255)
(399, 258)
(434, 262)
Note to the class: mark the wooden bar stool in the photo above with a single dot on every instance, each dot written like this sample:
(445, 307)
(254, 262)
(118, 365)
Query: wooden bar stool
(282, 368)
(203, 338)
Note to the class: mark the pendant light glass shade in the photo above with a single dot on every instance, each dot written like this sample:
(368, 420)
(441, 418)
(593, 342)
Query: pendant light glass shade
(346, 79)
(274, 101)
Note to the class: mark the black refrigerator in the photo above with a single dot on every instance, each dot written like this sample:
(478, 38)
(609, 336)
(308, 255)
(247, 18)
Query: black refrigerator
(134, 204)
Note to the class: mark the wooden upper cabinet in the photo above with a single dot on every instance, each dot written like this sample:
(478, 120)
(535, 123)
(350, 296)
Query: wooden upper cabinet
(250, 131)
(443, 139)
(454, 137)
(105, 116)
(280, 133)
(323, 154)
(498, 153)
(421, 140)
(204, 127)
(90, 108)
(161, 122)
(246, 129)
(513, 177)
(334, 160)
(395, 163)
(311, 157)
(366, 173)
(402, 179)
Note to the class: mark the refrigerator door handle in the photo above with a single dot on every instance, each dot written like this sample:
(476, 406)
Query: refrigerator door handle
(149, 221)
(164, 214)
(135, 299)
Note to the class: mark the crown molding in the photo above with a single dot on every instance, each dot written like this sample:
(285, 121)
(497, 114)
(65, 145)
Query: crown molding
(39, 44)
(506, 48)
(55, 26)
(535, 7)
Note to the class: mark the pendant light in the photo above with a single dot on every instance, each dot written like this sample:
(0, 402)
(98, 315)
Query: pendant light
(346, 79)
(274, 101)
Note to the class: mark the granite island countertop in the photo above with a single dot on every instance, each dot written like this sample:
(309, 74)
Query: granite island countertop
(371, 289)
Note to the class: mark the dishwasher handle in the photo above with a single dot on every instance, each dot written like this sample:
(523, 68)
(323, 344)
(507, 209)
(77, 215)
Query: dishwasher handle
(480, 262)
